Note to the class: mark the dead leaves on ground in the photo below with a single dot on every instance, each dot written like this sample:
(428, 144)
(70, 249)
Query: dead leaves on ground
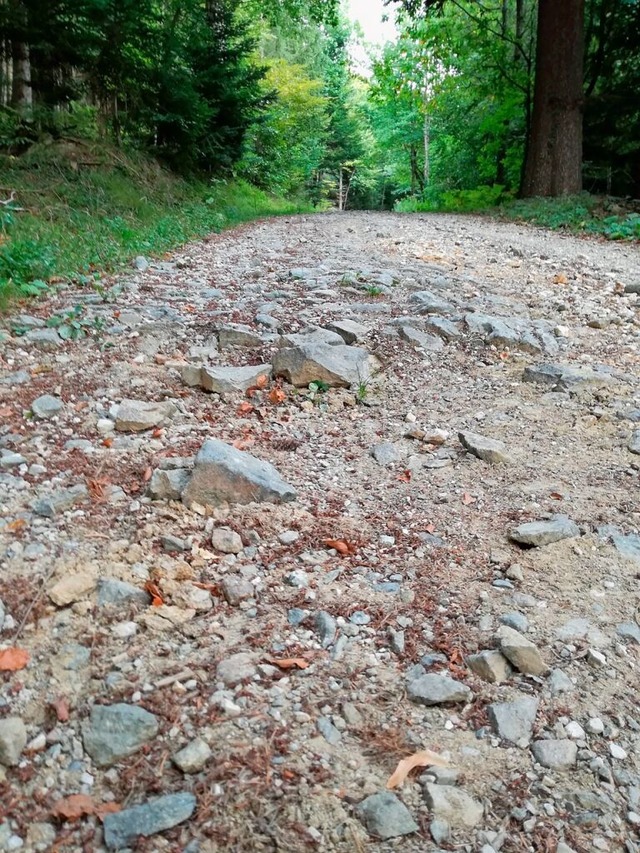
(343, 547)
(13, 659)
(288, 663)
(74, 807)
(153, 589)
(61, 707)
(425, 758)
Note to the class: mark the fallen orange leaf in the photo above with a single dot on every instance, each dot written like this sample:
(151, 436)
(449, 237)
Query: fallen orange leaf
(154, 591)
(288, 663)
(245, 408)
(73, 807)
(157, 433)
(560, 278)
(242, 443)
(102, 810)
(426, 758)
(343, 548)
(13, 659)
(277, 396)
(17, 525)
(556, 496)
(262, 381)
(148, 473)
(108, 442)
(468, 499)
(405, 477)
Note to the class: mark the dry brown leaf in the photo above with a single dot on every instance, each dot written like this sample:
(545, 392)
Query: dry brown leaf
(288, 663)
(277, 396)
(245, 408)
(556, 496)
(262, 381)
(343, 548)
(468, 499)
(73, 807)
(16, 526)
(405, 477)
(13, 659)
(425, 758)
(156, 595)
(61, 706)
(560, 278)
(148, 474)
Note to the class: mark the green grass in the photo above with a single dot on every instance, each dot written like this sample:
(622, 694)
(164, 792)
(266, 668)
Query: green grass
(90, 210)
(611, 218)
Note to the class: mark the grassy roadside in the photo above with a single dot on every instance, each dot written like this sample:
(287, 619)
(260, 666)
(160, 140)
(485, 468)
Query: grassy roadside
(88, 210)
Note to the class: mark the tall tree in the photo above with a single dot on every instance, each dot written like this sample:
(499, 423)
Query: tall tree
(554, 150)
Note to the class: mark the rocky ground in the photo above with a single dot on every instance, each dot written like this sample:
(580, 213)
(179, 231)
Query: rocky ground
(309, 498)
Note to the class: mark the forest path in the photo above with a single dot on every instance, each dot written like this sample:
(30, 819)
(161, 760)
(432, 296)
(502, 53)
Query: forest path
(299, 649)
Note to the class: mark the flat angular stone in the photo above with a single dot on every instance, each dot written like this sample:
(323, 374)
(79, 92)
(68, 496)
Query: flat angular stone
(236, 589)
(385, 816)
(513, 721)
(112, 591)
(168, 485)
(453, 805)
(13, 739)
(46, 406)
(226, 541)
(429, 303)
(191, 375)
(435, 689)
(117, 731)
(539, 533)
(44, 339)
(139, 415)
(442, 327)
(350, 331)
(562, 377)
(193, 756)
(231, 380)
(72, 588)
(555, 754)
(236, 668)
(431, 343)
(238, 336)
(488, 449)
(634, 442)
(223, 474)
(60, 501)
(516, 333)
(311, 336)
(338, 366)
(629, 631)
(490, 665)
(155, 815)
(385, 453)
(521, 652)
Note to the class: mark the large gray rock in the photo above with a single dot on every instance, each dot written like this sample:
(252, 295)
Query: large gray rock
(563, 377)
(431, 343)
(44, 339)
(521, 652)
(490, 665)
(223, 474)
(533, 336)
(60, 501)
(446, 329)
(634, 442)
(238, 336)
(385, 816)
(13, 739)
(112, 591)
(429, 303)
(168, 485)
(513, 721)
(350, 331)
(338, 366)
(116, 731)
(236, 669)
(46, 407)
(312, 336)
(231, 380)
(538, 533)
(455, 806)
(139, 415)
(436, 689)
(555, 754)
(385, 453)
(155, 815)
(487, 449)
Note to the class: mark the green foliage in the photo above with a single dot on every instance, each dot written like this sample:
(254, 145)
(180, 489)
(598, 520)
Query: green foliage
(81, 223)
(585, 213)
(455, 201)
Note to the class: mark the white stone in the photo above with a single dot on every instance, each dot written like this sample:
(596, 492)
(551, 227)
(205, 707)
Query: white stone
(617, 751)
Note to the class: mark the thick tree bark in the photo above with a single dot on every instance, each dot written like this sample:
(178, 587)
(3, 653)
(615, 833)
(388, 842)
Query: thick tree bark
(554, 157)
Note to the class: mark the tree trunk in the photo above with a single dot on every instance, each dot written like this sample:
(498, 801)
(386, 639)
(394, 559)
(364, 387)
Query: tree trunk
(554, 156)
(21, 92)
